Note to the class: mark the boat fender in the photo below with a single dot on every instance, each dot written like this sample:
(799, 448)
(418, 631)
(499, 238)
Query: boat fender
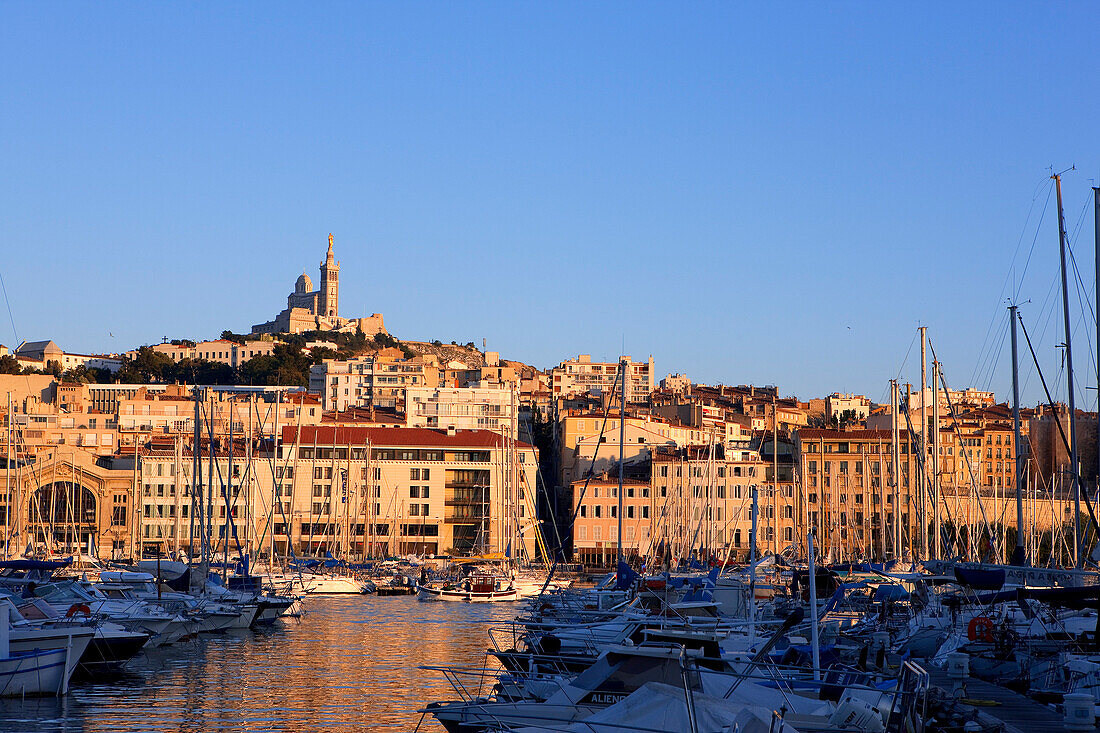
(78, 608)
(980, 628)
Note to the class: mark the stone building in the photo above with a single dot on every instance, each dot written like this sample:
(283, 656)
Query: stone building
(70, 501)
(308, 309)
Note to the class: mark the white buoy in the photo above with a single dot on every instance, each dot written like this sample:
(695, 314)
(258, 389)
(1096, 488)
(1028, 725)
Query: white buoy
(1079, 711)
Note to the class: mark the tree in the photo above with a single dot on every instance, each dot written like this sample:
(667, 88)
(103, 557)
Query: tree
(847, 417)
(86, 375)
(10, 365)
(147, 366)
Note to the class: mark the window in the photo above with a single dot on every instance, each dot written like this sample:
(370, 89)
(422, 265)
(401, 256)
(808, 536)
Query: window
(414, 474)
(424, 475)
(414, 492)
(424, 510)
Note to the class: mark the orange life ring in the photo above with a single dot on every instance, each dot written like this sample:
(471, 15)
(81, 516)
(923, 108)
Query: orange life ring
(78, 608)
(981, 628)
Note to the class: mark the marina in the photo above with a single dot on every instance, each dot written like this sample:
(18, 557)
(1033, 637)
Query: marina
(549, 368)
(348, 664)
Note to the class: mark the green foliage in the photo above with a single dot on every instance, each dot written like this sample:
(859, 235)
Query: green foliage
(237, 338)
(286, 366)
(845, 418)
(148, 366)
(9, 365)
(87, 375)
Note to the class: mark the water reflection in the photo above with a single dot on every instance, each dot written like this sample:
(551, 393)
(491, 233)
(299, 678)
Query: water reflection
(350, 665)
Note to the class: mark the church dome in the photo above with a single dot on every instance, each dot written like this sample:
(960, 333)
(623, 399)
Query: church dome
(304, 284)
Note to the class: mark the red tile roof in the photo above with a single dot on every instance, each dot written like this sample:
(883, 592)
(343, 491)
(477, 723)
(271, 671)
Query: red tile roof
(858, 434)
(395, 437)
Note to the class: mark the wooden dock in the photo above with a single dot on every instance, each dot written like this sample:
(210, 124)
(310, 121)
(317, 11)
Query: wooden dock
(1018, 713)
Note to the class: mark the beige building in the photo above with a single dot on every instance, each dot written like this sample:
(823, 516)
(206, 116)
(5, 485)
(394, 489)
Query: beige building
(850, 494)
(378, 380)
(462, 408)
(837, 404)
(221, 351)
(582, 375)
(696, 502)
(677, 383)
(39, 355)
(70, 502)
(357, 490)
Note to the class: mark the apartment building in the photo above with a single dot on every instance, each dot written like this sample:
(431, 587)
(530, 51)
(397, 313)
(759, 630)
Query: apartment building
(221, 351)
(462, 408)
(39, 355)
(582, 375)
(850, 496)
(838, 404)
(379, 380)
(589, 442)
(694, 502)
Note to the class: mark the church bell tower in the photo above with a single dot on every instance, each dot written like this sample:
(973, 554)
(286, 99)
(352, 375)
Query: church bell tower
(330, 284)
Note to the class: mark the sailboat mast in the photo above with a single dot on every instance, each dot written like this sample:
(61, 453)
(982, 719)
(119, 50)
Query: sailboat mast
(196, 500)
(935, 460)
(896, 466)
(1018, 555)
(922, 503)
(1096, 237)
(775, 478)
(1077, 554)
(622, 448)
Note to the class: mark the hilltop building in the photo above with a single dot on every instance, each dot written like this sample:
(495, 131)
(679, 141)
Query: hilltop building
(319, 310)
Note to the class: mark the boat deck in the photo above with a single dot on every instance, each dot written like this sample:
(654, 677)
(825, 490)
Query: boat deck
(1018, 713)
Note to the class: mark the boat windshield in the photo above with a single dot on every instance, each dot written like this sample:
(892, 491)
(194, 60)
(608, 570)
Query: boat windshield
(63, 593)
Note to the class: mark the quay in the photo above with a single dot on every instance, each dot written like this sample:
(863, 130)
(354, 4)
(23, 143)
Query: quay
(1015, 712)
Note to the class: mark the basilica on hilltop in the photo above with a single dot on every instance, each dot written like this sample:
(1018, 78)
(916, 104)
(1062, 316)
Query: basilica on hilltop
(319, 310)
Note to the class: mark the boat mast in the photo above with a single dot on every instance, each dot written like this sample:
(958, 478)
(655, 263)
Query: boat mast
(7, 483)
(922, 504)
(895, 463)
(1019, 555)
(196, 500)
(775, 477)
(1077, 555)
(935, 459)
(1096, 236)
(622, 449)
(227, 492)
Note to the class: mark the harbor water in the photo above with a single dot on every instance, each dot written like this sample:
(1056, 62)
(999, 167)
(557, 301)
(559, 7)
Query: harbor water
(349, 665)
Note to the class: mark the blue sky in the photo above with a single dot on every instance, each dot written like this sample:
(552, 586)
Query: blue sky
(752, 193)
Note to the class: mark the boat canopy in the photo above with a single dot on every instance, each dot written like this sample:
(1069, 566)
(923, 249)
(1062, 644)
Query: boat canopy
(36, 564)
(980, 578)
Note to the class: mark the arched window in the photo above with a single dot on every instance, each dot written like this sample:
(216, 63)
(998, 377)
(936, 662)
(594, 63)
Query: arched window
(63, 502)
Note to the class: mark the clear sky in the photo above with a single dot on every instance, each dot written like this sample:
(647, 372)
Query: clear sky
(758, 194)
